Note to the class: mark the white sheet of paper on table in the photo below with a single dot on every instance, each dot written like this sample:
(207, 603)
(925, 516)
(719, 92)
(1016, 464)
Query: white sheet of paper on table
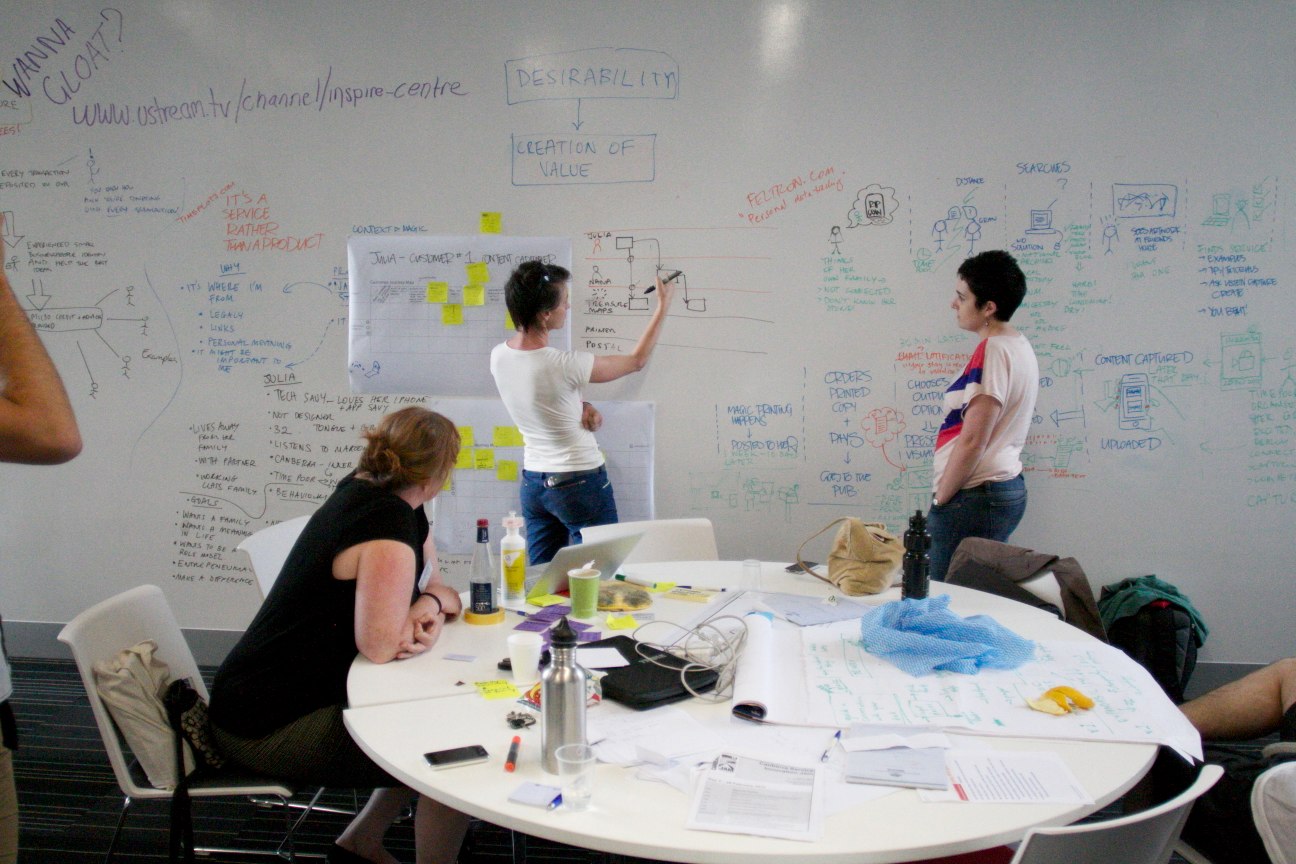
(986, 776)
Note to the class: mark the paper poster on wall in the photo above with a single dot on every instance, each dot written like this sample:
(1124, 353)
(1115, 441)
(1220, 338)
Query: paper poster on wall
(485, 485)
(425, 311)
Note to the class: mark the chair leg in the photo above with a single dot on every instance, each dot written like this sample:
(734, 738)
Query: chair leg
(290, 826)
(121, 820)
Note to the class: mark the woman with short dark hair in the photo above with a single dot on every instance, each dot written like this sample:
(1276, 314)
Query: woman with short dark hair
(565, 486)
(977, 478)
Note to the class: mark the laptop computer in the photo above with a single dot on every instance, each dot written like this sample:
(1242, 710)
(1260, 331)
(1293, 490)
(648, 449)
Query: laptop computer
(607, 556)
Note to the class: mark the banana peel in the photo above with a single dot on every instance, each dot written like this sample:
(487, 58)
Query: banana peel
(1061, 700)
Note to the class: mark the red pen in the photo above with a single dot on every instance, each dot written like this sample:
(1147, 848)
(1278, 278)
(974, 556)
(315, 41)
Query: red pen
(510, 761)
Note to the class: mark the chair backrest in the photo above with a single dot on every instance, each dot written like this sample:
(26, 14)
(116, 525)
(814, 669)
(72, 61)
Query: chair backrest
(1147, 837)
(663, 539)
(1045, 586)
(1273, 806)
(98, 633)
(268, 548)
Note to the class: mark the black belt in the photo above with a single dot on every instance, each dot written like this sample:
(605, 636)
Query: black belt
(561, 478)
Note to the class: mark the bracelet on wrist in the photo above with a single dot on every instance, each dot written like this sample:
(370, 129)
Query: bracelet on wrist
(440, 605)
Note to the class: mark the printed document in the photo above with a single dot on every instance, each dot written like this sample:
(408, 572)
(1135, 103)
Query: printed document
(745, 795)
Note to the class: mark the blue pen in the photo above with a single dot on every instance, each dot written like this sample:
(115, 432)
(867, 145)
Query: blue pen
(831, 744)
(555, 804)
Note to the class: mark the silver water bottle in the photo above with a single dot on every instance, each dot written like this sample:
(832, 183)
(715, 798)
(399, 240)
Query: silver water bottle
(562, 697)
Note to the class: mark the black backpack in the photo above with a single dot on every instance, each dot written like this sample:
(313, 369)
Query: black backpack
(1160, 638)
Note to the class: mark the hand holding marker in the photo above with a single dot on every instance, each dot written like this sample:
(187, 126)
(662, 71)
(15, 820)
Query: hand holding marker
(669, 279)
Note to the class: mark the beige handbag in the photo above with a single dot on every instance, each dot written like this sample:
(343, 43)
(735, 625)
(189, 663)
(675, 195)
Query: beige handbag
(865, 557)
(131, 685)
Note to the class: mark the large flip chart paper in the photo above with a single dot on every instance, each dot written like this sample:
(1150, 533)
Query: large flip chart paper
(835, 682)
(426, 311)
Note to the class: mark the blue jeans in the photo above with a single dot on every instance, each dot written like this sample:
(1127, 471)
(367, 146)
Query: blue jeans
(991, 510)
(556, 514)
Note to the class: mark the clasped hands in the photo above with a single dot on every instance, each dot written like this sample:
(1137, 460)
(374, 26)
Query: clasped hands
(426, 620)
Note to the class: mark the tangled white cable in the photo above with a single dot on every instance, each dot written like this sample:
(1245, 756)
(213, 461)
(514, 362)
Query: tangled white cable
(706, 647)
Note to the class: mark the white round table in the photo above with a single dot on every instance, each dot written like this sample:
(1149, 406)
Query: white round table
(401, 710)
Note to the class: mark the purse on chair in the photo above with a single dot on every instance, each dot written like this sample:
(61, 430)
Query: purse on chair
(864, 559)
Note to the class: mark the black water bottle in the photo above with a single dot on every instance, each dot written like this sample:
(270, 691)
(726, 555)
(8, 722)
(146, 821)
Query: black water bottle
(917, 562)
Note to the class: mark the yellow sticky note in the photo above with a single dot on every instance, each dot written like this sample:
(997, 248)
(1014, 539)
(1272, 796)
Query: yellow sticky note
(490, 222)
(484, 459)
(692, 595)
(465, 436)
(508, 322)
(464, 458)
(496, 689)
(621, 622)
(452, 314)
(507, 436)
(474, 294)
(546, 600)
(478, 272)
(449, 483)
(438, 292)
(506, 470)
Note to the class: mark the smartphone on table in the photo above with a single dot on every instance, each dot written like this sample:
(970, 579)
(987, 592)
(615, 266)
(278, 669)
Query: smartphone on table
(456, 756)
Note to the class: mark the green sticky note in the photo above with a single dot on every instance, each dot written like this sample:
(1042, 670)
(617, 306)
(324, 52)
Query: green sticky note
(474, 294)
(490, 222)
(452, 314)
(477, 272)
(438, 292)
(506, 470)
(507, 436)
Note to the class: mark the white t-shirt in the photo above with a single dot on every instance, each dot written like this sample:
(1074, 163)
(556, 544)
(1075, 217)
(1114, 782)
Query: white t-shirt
(542, 391)
(1003, 367)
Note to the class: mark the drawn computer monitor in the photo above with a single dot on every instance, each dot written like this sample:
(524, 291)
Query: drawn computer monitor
(1041, 222)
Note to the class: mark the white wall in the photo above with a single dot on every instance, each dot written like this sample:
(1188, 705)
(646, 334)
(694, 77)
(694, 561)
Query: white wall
(730, 142)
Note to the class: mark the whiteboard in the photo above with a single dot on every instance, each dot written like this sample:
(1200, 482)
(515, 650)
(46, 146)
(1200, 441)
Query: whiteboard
(180, 181)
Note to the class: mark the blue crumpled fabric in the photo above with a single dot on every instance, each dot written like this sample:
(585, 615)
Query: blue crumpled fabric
(923, 636)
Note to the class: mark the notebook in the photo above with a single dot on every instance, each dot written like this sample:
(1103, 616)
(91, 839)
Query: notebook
(607, 556)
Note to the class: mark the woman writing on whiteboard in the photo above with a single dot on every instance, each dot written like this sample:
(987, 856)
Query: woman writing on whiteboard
(565, 485)
(977, 473)
(349, 584)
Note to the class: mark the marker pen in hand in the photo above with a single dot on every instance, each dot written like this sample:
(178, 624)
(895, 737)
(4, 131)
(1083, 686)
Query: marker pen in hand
(510, 761)
(669, 279)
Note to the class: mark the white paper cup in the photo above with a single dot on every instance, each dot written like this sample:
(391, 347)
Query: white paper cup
(524, 653)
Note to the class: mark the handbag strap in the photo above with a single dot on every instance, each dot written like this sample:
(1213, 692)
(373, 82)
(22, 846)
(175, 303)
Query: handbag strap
(802, 564)
(182, 837)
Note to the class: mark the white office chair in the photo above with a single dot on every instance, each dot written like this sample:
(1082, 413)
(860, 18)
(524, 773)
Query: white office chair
(1140, 838)
(266, 551)
(663, 539)
(1273, 806)
(268, 548)
(96, 635)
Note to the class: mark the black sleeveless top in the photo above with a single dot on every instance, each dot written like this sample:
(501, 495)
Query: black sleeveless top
(296, 653)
